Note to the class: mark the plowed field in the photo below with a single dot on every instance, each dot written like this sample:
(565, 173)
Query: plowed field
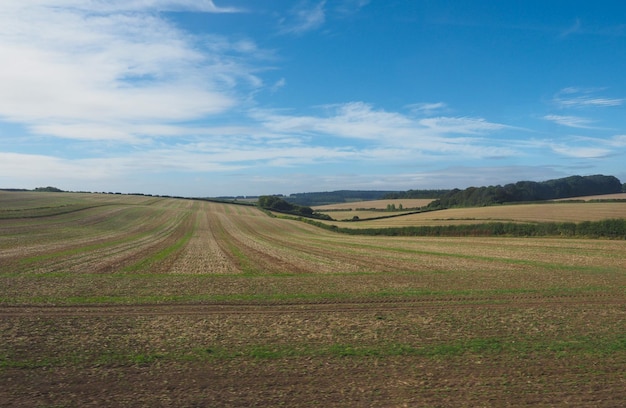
(110, 300)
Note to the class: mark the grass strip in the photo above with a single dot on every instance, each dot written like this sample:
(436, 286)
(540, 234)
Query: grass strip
(484, 347)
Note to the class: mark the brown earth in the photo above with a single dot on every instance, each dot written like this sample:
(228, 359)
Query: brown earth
(309, 374)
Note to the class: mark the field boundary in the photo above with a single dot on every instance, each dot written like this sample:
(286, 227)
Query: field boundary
(614, 228)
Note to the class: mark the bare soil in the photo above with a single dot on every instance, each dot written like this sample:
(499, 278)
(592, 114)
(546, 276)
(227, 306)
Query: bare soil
(74, 356)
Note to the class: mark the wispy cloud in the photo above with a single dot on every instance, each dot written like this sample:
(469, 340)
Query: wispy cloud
(348, 7)
(574, 28)
(282, 82)
(583, 98)
(571, 121)
(304, 17)
(462, 125)
(207, 6)
(381, 129)
(427, 109)
(618, 141)
(580, 152)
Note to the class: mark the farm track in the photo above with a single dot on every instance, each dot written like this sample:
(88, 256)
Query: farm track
(307, 307)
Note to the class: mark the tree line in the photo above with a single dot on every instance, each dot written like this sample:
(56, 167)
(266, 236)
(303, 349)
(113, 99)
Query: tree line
(333, 197)
(610, 228)
(278, 204)
(573, 186)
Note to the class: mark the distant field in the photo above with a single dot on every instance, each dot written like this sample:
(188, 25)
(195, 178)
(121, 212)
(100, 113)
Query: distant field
(363, 209)
(548, 212)
(618, 196)
(514, 212)
(113, 300)
(376, 204)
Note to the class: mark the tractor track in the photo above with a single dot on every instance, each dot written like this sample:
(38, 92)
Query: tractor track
(321, 306)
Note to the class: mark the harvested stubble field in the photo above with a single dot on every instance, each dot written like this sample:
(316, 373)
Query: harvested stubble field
(110, 300)
(371, 209)
(523, 213)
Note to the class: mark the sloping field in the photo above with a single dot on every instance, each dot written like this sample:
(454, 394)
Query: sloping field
(110, 300)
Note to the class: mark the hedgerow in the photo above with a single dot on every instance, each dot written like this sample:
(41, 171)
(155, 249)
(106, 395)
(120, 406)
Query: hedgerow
(610, 228)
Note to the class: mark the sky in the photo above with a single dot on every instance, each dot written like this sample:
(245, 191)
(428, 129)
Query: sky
(203, 98)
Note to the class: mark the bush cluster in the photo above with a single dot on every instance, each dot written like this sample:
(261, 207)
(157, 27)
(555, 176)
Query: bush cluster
(275, 203)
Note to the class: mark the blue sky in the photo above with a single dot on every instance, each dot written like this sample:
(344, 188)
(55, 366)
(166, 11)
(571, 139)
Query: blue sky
(248, 97)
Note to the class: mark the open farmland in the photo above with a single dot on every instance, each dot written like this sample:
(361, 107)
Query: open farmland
(525, 213)
(371, 209)
(114, 300)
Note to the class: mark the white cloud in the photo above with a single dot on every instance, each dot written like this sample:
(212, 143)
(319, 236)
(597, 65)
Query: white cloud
(380, 129)
(353, 132)
(571, 121)
(581, 152)
(99, 6)
(93, 64)
(361, 121)
(618, 141)
(351, 120)
(35, 169)
(472, 126)
(29, 169)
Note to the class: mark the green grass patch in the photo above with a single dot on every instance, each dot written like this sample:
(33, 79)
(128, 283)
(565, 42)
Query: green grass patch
(484, 347)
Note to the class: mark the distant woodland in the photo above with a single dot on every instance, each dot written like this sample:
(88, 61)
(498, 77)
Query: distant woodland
(568, 187)
(574, 186)
(348, 196)
(333, 197)
(522, 191)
